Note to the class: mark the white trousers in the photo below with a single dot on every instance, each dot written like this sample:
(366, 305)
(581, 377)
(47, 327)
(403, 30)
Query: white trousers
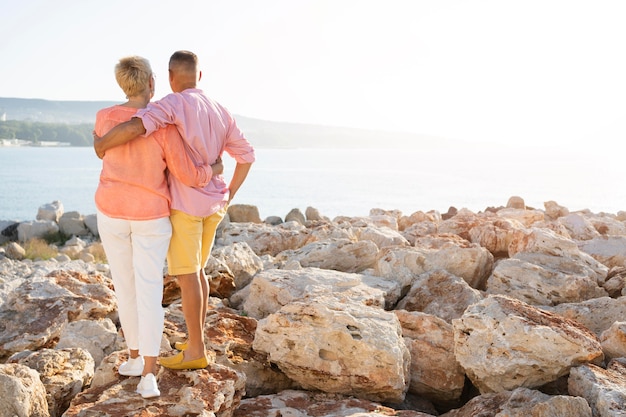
(136, 251)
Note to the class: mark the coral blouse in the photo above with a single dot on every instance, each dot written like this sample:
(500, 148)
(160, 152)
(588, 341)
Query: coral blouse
(133, 181)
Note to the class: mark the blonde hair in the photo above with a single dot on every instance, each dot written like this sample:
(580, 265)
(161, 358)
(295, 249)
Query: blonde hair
(133, 75)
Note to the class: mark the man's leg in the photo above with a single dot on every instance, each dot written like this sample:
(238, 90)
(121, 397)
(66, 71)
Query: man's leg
(194, 310)
(210, 225)
(183, 260)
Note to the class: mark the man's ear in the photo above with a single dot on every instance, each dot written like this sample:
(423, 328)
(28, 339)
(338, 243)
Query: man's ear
(171, 74)
(199, 75)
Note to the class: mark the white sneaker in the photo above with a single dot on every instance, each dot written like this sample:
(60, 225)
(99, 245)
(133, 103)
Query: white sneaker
(132, 367)
(148, 387)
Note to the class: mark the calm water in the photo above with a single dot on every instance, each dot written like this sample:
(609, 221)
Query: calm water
(346, 182)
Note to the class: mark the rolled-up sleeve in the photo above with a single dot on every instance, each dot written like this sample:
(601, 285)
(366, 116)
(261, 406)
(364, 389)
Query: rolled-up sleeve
(159, 113)
(237, 146)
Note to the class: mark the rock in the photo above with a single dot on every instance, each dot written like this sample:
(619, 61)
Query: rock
(295, 215)
(264, 239)
(8, 231)
(448, 252)
(241, 261)
(35, 313)
(36, 229)
(554, 211)
(230, 336)
(503, 344)
(544, 280)
(64, 373)
(98, 337)
(21, 392)
(441, 294)
(613, 341)
(381, 236)
(71, 223)
(495, 234)
(516, 202)
(608, 250)
(14, 251)
(243, 213)
(91, 222)
(212, 391)
(338, 347)
(315, 404)
(51, 211)
(523, 402)
(273, 220)
(596, 315)
(312, 214)
(270, 290)
(604, 389)
(338, 254)
(435, 373)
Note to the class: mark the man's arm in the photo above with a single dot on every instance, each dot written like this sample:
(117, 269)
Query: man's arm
(119, 135)
(239, 176)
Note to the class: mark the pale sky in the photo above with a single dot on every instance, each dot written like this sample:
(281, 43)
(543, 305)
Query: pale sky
(529, 71)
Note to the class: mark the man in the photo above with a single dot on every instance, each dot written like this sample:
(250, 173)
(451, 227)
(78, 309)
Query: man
(209, 130)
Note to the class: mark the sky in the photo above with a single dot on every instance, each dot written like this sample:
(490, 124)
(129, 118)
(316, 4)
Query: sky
(546, 72)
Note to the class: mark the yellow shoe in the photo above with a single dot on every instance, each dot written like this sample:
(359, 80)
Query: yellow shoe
(181, 345)
(178, 362)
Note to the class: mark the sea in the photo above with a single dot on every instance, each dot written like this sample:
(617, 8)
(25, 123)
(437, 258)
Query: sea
(349, 182)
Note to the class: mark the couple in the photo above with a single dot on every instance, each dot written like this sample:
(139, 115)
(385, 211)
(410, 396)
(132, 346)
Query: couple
(161, 194)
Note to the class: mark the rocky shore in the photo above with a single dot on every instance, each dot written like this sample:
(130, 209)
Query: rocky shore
(512, 311)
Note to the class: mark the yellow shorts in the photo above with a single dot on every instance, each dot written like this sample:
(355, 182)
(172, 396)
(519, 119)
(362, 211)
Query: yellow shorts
(192, 241)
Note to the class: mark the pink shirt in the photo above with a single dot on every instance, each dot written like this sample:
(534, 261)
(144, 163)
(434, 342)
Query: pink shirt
(210, 130)
(133, 181)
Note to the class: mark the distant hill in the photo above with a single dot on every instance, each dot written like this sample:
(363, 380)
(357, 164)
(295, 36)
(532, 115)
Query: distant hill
(262, 133)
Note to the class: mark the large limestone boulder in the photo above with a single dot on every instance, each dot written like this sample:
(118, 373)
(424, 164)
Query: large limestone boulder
(271, 289)
(36, 229)
(338, 254)
(213, 391)
(265, 239)
(604, 389)
(543, 284)
(341, 347)
(72, 223)
(448, 252)
(98, 337)
(64, 373)
(315, 404)
(435, 373)
(495, 234)
(381, 236)
(545, 247)
(441, 294)
(608, 250)
(596, 315)
(241, 261)
(51, 211)
(35, 313)
(503, 344)
(523, 402)
(21, 392)
(613, 341)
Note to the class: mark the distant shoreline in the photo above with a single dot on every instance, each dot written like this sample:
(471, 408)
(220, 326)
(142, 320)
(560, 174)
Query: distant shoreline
(13, 143)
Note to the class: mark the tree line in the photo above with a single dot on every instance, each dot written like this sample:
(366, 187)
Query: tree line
(75, 134)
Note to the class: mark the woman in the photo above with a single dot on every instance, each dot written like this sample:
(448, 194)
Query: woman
(133, 204)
